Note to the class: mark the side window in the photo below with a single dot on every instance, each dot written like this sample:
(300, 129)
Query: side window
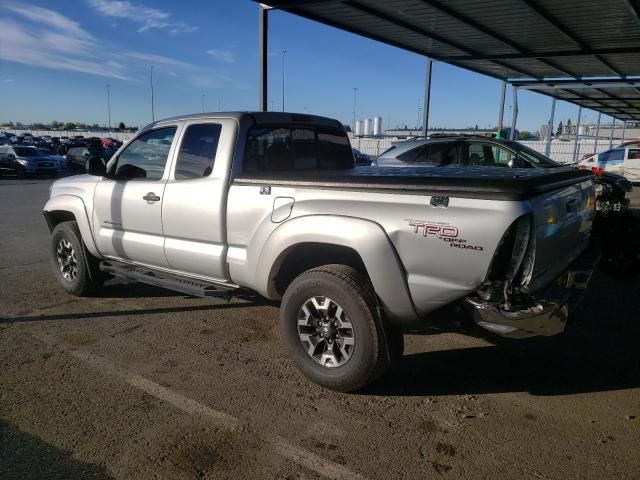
(198, 151)
(612, 155)
(476, 154)
(634, 155)
(443, 154)
(305, 151)
(268, 149)
(501, 156)
(146, 156)
(417, 154)
(279, 149)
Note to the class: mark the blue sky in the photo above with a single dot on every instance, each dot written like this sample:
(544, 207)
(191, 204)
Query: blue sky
(56, 59)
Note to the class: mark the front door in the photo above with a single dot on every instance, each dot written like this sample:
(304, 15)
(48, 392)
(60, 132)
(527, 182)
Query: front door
(127, 215)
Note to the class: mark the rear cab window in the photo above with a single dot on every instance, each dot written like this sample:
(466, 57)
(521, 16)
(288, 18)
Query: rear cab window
(297, 148)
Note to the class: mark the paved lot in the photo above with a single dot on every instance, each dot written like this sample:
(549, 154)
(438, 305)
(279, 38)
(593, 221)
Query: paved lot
(145, 383)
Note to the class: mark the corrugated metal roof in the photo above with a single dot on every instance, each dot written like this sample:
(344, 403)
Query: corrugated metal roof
(513, 40)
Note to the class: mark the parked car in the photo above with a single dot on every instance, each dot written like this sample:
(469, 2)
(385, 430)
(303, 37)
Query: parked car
(26, 160)
(362, 159)
(270, 202)
(61, 160)
(77, 156)
(623, 160)
(466, 151)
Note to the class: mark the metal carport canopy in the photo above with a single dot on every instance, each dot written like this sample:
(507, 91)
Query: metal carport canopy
(584, 52)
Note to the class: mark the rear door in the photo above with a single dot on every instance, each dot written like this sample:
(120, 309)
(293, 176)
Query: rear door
(127, 215)
(631, 165)
(195, 199)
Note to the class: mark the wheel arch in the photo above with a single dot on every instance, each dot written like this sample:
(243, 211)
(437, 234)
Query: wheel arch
(65, 208)
(317, 240)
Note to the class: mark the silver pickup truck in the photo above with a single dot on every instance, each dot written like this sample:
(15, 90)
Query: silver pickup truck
(271, 202)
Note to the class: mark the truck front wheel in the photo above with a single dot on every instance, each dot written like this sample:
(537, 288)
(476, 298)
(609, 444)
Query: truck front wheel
(332, 330)
(75, 268)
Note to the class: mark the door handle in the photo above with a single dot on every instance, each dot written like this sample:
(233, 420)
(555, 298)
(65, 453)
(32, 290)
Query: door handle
(151, 197)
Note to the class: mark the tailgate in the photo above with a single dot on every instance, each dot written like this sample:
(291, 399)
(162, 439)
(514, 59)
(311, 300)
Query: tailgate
(563, 219)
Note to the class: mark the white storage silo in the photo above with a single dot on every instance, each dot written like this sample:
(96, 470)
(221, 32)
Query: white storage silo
(368, 127)
(358, 132)
(377, 126)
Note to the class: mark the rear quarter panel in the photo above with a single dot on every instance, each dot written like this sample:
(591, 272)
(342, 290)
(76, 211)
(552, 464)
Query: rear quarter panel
(445, 251)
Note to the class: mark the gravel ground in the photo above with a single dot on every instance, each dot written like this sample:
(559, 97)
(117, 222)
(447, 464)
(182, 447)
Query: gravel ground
(144, 383)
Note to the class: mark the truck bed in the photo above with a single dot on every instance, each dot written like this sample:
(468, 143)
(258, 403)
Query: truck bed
(466, 182)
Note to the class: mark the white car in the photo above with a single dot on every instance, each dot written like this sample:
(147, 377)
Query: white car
(623, 160)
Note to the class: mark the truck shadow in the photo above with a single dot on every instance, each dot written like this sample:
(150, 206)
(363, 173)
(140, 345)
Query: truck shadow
(599, 352)
(25, 456)
(215, 305)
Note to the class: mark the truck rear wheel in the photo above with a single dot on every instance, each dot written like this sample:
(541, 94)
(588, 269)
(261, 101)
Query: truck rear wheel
(73, 266)
(332, 330)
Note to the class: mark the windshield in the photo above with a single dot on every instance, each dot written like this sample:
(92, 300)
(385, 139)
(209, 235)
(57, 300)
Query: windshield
(535, 158)
(42, 152)
(26, 152)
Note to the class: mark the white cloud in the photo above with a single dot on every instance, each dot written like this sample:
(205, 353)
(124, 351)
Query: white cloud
(146, 17)
(41, 37)
(222, 55)
(152, 59)
(44, 38)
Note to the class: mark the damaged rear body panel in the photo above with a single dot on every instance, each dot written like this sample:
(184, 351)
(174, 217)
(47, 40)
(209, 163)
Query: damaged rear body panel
(541, 267)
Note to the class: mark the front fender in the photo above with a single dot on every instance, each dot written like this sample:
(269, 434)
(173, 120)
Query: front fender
(75, 206)
(365, 237)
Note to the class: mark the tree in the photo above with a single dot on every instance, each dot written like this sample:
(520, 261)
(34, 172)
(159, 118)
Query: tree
(69, 126)
(559, 131)
(524, 135)
(476, 128)
(121, 126)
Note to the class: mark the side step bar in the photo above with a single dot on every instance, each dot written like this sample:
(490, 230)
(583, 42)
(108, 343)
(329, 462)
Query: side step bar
(189, 286)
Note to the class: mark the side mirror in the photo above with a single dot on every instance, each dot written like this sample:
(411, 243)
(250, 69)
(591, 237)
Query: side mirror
(11, 156)
(96, 167)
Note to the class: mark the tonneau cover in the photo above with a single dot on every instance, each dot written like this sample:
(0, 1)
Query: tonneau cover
(470, 182)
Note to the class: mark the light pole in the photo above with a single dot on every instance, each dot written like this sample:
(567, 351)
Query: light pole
(355, 93)
(109, 107)
(284, 56)
(202, 98)
(153, 114)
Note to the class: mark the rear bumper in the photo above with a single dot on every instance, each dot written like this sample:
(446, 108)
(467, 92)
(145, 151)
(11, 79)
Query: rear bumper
(544, 313)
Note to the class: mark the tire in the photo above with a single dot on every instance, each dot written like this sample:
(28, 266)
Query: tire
(367, 349)
(73, 266)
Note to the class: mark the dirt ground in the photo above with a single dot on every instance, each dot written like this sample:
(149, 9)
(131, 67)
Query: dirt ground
(144, 383)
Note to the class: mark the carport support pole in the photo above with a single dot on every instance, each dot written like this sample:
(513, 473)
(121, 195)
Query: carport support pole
(503, 92)
(575, 138)
(613, 125)
(263, 34)
(624, 127)
(547, 148)
(427, 97)
(595, 145)
(514, 118)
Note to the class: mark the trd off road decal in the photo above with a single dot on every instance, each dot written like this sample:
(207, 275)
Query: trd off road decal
(442, 231)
